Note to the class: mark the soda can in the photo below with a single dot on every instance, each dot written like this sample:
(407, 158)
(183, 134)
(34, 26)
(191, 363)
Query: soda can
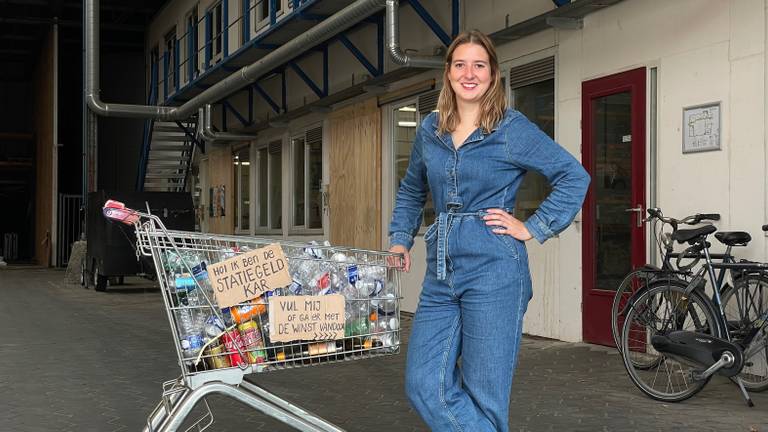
(217, 358)
(233, 342)
(253, 342)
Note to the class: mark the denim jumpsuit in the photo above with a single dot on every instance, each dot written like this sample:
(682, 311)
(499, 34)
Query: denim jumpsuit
(477, 284)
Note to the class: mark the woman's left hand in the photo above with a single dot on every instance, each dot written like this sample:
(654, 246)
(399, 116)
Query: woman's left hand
(507, 224)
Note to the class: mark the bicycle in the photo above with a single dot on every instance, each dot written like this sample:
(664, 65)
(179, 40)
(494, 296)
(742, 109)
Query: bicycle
(648, 274)
(682, 338)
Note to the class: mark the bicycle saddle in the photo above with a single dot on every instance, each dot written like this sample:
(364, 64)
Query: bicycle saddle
(684, 235)
(733, 238)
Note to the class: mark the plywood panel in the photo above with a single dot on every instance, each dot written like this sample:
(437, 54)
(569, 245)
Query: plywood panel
(355, 183)
(220, 173)
(44, 149)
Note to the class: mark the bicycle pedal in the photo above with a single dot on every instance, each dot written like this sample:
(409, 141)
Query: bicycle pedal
(696, 375)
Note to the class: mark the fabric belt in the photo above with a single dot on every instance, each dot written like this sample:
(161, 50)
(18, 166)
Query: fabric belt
(444, 222)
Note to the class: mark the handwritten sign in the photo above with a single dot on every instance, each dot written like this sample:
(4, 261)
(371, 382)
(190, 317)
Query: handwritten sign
(306, 317)
(249, 275)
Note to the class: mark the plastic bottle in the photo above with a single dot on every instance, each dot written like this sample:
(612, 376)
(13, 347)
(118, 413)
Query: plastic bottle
(200, 273)
(190, 317)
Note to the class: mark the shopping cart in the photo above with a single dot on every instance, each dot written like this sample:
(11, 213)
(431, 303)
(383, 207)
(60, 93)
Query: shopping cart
(368, 280)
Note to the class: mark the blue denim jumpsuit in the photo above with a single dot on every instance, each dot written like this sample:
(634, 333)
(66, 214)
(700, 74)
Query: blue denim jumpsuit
(477, 284)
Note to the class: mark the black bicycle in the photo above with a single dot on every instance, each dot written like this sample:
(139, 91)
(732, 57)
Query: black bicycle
(675, 337)
(675, 266)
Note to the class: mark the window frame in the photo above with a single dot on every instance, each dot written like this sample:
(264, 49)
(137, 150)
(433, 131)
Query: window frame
(170, 38)
(258, 22)
(215, 8)
(293, 228)
(395, 105)
(238, 188)
(256, 150)
(192, 57)
(549, 55)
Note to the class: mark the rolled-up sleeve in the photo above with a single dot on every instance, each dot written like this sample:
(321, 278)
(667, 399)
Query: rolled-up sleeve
(411, 197)
(532, 149)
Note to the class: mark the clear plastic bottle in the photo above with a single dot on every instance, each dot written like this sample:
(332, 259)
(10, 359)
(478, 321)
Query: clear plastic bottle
(190, 317)
(200, 273)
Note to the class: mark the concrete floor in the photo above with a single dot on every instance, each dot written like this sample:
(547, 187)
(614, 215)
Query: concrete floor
(73, 359)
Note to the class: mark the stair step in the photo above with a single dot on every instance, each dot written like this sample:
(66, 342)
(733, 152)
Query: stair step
(169, 137)
(164, 176)
(166, 158)
(169, 146)
(161, 183)
(168, 163)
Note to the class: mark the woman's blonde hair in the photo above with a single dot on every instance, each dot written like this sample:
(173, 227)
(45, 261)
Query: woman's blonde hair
(494, 101)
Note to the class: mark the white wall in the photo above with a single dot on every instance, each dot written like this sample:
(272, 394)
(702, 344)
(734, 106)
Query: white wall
(705, 50)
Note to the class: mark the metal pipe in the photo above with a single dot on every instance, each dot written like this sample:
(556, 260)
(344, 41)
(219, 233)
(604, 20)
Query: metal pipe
(393, 43)
(205, 129)
(337, 23)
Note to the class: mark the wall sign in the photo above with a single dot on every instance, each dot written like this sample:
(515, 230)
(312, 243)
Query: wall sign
(701, 128)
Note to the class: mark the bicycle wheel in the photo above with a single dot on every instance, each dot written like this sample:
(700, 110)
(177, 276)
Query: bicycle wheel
(658, 310)
(633, 283)
(744, 304)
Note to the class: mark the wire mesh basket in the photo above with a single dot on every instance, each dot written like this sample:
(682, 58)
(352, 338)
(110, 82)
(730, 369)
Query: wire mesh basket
(359, 289)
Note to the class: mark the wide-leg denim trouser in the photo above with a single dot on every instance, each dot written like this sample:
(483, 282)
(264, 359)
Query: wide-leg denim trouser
(475, 313)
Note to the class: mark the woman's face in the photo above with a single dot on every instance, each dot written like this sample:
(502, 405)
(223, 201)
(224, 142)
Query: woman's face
(470, 73)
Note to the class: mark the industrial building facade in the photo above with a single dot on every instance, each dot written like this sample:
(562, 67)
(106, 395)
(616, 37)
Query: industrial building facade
(663, 102)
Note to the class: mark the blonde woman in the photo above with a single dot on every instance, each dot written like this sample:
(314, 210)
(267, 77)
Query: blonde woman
(472, 155)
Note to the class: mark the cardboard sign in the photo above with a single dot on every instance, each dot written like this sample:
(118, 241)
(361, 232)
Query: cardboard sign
(249, 275)
(306, 317)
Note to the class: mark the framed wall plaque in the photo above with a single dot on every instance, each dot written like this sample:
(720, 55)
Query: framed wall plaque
(701, 128)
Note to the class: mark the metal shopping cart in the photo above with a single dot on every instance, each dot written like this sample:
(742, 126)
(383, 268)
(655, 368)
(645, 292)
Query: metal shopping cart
(217, 347)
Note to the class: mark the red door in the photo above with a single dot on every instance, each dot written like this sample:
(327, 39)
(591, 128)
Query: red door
(613, 152)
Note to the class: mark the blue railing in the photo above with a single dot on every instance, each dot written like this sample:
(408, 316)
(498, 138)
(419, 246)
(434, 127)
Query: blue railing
(173, 63)
(148, 126)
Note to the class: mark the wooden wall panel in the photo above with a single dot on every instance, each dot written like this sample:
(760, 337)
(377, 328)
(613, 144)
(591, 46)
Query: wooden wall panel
(220, 173)
(355, 176)
(44, 149)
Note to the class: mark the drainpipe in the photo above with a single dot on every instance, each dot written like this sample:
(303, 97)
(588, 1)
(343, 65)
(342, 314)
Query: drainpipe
(337, 23)
(393, 43)
(206, 132)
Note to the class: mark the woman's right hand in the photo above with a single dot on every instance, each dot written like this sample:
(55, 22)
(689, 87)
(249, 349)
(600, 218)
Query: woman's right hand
(405, 263)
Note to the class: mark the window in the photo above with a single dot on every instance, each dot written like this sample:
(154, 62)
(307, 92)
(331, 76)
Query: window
(191, 69)
(154, 59)
(406, 117)
(217, 28)
(170, 63)
(242, 167)
(259, 10)
(307, 173)
(260, 14)
(533, 94)
(269, 186)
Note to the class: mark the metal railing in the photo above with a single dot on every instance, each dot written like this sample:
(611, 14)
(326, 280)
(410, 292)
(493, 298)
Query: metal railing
(69, 226)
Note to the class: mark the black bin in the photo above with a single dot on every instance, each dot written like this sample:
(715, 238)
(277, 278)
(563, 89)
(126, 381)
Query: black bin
(111, 245)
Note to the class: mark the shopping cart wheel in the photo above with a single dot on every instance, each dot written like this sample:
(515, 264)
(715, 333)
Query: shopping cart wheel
(99, 281)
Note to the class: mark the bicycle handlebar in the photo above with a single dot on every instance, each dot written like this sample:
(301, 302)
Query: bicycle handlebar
(655, 213)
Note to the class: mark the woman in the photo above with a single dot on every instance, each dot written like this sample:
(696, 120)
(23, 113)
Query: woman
(472, 155)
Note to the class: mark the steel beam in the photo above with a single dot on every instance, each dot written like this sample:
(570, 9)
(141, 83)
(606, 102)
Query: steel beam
(311, 84)
(266, 97)
(431, 23)
(358, 55)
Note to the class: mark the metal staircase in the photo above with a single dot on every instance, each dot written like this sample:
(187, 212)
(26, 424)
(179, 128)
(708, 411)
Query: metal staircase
(172, 147)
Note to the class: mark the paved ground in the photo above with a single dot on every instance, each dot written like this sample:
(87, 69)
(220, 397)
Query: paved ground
(77, 360)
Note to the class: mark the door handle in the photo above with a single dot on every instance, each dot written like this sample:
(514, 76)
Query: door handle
(639, 211)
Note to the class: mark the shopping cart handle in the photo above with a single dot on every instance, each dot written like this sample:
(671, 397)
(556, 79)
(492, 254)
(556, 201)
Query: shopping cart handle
(116, 211)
